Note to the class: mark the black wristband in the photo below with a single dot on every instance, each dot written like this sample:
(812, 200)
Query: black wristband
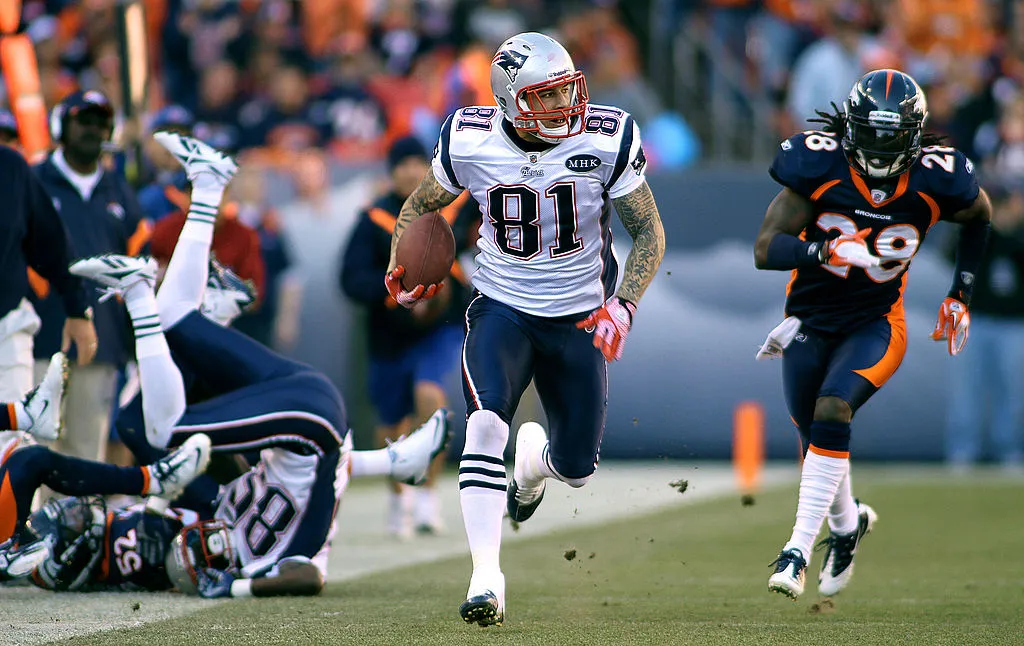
(789, 252)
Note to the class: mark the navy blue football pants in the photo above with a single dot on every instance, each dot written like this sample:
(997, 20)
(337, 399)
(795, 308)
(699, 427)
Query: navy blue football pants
(258, 399)
(851, 367)
(506, 348)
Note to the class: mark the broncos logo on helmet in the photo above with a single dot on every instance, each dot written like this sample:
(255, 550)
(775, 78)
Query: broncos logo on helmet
(885, 115)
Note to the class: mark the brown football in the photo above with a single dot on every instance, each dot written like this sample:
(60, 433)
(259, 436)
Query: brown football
(426, 250)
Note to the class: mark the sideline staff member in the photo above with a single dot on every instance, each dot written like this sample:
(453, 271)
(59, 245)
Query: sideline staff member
(32, 235)
(101, 215)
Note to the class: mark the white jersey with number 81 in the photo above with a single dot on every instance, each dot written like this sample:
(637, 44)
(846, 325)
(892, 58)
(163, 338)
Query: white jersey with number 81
(545, 237)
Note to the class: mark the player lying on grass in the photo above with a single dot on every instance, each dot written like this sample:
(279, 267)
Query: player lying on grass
(25, 466)
(280, 514)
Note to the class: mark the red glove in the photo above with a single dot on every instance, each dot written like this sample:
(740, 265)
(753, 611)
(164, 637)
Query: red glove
(393, 281)
(610, 325)
(851, 251)
(953, 325)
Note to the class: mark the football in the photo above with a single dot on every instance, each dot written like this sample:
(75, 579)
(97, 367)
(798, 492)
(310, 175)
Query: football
(426, 250)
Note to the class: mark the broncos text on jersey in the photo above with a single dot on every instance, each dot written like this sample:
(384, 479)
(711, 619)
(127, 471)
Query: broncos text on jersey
(899, 214)
(545, 238)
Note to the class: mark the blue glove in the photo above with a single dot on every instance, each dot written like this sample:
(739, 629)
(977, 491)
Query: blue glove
(214, 584)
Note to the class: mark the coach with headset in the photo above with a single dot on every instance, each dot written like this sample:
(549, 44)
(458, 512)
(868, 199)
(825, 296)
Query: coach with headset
(102, 215)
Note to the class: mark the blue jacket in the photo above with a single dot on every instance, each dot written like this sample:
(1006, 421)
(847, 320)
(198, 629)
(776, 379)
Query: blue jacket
(31, 235)
(393, 329)
(110, 222)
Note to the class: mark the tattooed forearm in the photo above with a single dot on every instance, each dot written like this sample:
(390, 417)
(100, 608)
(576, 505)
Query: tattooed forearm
(639, 214)
(428, 196)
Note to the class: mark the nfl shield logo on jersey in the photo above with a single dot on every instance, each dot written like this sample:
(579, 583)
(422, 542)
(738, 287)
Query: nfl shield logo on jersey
(878, 195)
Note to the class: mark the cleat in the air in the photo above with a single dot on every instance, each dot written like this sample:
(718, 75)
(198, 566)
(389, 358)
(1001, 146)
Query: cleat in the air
(840, 550)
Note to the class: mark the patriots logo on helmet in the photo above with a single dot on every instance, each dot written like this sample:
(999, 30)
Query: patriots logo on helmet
(511, 61)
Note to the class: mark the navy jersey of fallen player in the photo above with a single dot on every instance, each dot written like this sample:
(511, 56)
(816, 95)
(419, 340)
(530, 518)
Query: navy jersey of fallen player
(899, 213)
(135, 548)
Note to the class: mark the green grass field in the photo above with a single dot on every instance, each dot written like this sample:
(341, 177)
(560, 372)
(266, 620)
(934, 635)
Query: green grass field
(945, 565)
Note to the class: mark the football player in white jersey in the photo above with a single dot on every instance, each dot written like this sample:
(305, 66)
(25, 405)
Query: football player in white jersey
(546, 168)
(282, 511)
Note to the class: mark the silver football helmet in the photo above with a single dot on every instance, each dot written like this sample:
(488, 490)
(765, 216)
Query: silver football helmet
(204, 544)
(528, 66)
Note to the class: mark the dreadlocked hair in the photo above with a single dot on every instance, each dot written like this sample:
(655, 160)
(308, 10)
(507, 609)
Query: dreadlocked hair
(835, 122)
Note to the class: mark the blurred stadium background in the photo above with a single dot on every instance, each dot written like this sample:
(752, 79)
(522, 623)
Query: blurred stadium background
(310, 92)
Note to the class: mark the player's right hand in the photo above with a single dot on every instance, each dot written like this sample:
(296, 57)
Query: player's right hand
(953, 325)
(408, 298)
(851, 251)
(16, 562)
(214, 584)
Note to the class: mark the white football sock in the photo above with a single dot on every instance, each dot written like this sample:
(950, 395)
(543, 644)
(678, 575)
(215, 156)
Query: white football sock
(188, 270)
(370, 463)
(819, 482)
(482, 485)
(842, 515)
(535, 466)
(428, 506)
(163, 390)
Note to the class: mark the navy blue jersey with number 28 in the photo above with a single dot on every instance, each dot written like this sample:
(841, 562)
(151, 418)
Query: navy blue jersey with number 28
(899, 214)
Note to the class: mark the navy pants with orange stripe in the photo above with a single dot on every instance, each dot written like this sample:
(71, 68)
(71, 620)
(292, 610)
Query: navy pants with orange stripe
(851, 367)
(28, 467)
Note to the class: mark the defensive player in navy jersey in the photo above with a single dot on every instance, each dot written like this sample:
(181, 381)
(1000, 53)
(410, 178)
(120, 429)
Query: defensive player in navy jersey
(280, 514)
(858, 199)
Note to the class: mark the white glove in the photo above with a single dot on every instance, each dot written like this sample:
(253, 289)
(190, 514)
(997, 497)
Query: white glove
(851, 251)
(779, 339)
(20, 561)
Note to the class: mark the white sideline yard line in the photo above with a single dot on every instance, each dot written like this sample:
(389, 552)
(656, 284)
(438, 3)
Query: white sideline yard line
(29, 616)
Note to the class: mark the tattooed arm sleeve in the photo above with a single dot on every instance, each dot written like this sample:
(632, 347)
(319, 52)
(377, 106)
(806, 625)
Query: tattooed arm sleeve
(639, 214)
(428, 196)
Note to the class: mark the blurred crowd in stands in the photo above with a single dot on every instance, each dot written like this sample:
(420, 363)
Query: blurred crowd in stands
(344, 76)
(968, 55)
(349, 76)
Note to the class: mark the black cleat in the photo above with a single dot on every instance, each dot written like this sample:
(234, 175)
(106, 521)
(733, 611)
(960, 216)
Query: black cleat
(518, 511)
(483, 609)
(840, 549)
